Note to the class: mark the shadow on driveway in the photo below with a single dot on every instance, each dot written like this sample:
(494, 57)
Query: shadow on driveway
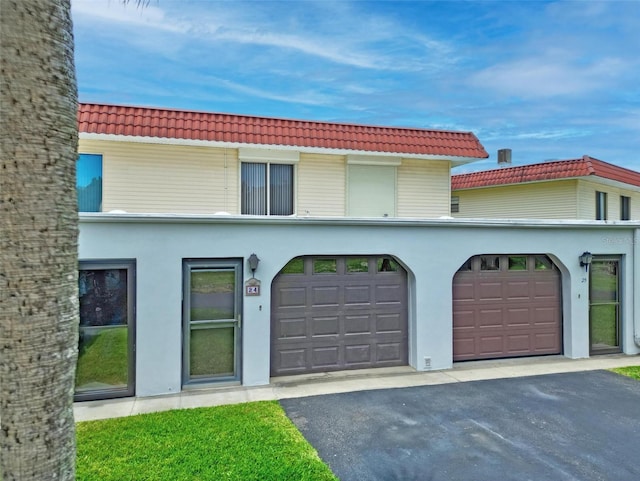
(577, 426)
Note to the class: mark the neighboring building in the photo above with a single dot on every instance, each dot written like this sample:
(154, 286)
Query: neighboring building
(584, 188)
(158, 160)
(172, 297)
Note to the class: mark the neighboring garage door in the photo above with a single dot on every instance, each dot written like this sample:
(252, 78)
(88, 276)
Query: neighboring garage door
(506, 306)
(336, 313)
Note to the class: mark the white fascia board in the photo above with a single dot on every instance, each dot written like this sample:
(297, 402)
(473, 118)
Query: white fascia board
(455, 161)
(107, 217)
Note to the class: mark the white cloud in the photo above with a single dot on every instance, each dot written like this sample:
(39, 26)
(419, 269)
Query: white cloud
(547, 77)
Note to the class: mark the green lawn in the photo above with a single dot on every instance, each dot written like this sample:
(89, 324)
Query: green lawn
(631, 371)
(252, 441)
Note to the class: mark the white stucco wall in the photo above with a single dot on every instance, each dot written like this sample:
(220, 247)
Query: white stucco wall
(431, 250)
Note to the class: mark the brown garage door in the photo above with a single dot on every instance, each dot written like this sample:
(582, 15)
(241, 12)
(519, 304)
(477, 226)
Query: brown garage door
(338, 313)
(506, 306)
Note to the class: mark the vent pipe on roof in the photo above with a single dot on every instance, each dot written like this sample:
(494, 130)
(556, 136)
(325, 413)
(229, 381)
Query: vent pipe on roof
(504, 157)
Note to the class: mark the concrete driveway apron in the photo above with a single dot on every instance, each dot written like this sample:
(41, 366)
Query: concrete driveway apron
(577, 426)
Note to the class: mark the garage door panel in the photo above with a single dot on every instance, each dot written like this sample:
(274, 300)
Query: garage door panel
(325, 326)
(292, 297)
(487, 318)
(465, 320)
(491, 345)
(391, 352)
(546, 289)
(390, 324)
(517, 344)
(517, 290)
(465, 348)
(357, 296)
(489, 291)
(463, 291)
(324, 357)
(325, 296)
(357, 354)
(514, 312)
(389, 294)
(546, 341)
(518, 317)
(341, 320)
(292, 329)
(355, 325)
(292, 360)
(546, 316)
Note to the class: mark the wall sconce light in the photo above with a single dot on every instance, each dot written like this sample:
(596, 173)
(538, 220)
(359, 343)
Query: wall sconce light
(253, 263)
(585, 260)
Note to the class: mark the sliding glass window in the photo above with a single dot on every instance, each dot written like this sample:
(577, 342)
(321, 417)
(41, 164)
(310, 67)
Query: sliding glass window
(266, 189)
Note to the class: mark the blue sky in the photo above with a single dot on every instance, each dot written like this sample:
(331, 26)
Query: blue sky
(550, 80)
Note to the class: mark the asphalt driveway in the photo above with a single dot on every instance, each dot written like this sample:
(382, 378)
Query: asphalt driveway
(576, 426)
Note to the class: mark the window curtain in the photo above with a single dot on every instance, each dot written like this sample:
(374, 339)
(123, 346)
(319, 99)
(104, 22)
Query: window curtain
(281, 189)
(253, 188)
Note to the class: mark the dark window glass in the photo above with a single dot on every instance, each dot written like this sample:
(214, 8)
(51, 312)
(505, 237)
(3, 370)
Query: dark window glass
(517, 263)
(104, 350)
(357, 264)
(489, 263)
(625, 208)
(294, 266)
(387, 264)
(325, 266)
(601, 206)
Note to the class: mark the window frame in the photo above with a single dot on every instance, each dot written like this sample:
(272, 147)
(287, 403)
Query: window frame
(110, 393)
(96, 154)
(268, 186)
(601, 205)
(625, 207)
(455, 204)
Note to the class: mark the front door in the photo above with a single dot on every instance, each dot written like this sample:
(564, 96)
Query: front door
(604, 305)
(211, 320)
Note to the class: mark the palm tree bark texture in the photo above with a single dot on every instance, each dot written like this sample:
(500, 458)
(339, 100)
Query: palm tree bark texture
(38, 240)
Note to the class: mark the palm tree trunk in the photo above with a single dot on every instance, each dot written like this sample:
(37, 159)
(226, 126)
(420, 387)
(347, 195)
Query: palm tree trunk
(38, 240)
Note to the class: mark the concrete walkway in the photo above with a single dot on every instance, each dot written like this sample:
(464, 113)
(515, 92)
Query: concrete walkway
(347, 381)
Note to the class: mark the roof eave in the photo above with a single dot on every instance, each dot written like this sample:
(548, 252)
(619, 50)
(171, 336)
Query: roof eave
(455, 160)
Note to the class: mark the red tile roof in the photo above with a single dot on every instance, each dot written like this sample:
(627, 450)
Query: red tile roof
(561, 169)
(176, 124)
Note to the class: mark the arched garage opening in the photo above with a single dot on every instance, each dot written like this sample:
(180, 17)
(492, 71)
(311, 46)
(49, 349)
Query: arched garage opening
(507, 306)
(331, 313)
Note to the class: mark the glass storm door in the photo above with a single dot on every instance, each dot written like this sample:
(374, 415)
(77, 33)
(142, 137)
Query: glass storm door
(106, 366)
(211, 313)
(604, 306)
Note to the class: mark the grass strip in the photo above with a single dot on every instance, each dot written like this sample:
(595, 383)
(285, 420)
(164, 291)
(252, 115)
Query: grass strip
(630, 371)
(251, 441)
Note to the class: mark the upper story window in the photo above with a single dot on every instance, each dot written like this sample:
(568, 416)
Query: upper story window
(267, 181)
(89, 182)
(601, 205)
(267, 189)
(455, 204)
(625, 207)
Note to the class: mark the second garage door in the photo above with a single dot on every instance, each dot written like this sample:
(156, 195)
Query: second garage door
(506, 306)
(336, 313)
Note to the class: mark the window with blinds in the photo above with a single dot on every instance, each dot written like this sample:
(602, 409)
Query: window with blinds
(89, 182)
(266, 189)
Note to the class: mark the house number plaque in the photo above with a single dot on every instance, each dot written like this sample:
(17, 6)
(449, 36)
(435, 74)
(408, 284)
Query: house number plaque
(252, 287)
